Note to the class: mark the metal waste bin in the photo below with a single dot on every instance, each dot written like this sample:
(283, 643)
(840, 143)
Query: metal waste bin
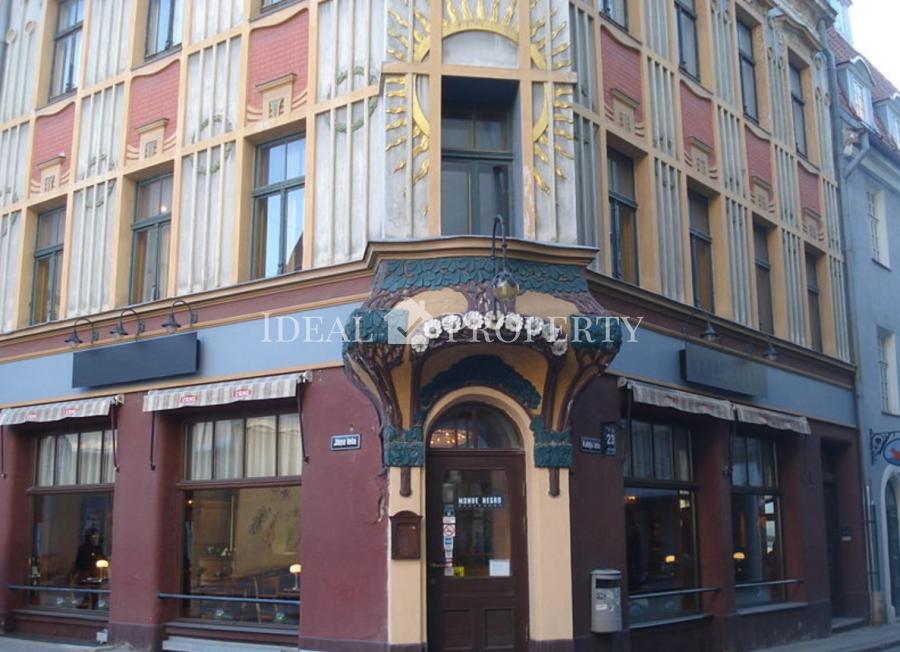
(606, 601)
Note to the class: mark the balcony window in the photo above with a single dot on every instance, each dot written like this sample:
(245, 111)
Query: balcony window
(48, 253)
(164, 18)
(151, 231)
(279, 199)
(67, 47)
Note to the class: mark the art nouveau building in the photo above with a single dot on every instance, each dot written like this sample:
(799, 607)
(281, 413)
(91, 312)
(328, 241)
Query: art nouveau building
(303, 423)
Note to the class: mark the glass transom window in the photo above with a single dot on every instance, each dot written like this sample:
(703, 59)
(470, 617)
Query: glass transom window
(75, 458)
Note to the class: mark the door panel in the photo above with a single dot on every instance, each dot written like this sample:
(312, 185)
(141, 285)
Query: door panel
(477, 569)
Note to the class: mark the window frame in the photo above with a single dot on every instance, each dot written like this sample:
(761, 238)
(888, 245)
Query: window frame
(36, 488)
(282, 189)
(813, 298)
(475, 158)
(887, 363)
(696, 238)
(748, 59)
(688, 12)
(859, 92)
(149, 223)
(72, 67)
(170, 45)
(608, 11)
(798, 109)
(53, 253)
(617, 202)
(763, 264)
(878, 226)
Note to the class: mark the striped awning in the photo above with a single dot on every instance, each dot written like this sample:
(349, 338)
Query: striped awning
(678, 400)
(251, 389)
(771, 419)
(89, 407)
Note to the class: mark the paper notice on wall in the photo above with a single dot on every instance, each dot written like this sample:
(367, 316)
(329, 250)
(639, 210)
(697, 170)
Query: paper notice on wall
(499, 568)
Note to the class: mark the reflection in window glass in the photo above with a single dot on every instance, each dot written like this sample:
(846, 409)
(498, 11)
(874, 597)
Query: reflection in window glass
(757, 547)
(243, 543)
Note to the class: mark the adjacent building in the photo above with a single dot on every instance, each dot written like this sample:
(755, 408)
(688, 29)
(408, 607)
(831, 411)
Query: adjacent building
(319, 399)
(869, 164)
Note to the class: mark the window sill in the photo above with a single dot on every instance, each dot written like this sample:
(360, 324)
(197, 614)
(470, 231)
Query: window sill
(250, 628)
(675, 620)
(889, 413)
(771, 608)
(61, 97)
(882, 264)
(68, 614)
(162, 54)
(265, 12)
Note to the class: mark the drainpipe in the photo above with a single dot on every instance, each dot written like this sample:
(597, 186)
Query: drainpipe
(843, 171)
(5, 13)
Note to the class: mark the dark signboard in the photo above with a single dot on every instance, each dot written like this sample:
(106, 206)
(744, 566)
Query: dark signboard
(731, 373)
(160, 357)
(348, 442)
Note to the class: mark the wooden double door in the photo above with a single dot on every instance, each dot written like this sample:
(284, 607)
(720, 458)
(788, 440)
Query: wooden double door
(477, 561)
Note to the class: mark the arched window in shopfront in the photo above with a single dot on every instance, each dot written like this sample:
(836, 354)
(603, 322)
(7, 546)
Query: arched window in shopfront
(893, 542)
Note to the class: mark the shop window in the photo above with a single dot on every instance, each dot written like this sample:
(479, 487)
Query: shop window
(477, 155)
(623, 217)
(688, 53)
(748, 70)
(279, 197)
(758, 549)
(763, 266)
(813, 304)
(616, 11)
(701, 252)
(660, 522)
(164, 18)
(892, 518)
(48, 253)
(67, 47)
(798, 109)
(242, 538)
(151, 231)
(72, 521)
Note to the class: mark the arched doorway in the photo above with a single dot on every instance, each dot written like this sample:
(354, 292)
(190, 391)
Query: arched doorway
(892, 518)
(477, 562)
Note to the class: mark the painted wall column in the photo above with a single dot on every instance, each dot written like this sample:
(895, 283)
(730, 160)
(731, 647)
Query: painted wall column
(14, 517)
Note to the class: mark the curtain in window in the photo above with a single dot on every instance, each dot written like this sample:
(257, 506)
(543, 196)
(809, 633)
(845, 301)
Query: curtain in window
(46, 458)
(229, 449)
(261, 441)
(109, 469)
(66, 450)
(90, 455)
(290, 451)
(201, 451)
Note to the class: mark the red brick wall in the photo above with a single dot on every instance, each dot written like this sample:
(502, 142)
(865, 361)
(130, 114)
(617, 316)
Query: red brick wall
(809, 189)
(52, 136)
(697, 119)
(621, 71)
(276, 51)
(154, 97)
(760, 164)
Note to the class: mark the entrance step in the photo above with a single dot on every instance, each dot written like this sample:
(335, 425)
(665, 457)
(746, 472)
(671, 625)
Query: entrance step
(188, 644)
(840, 624)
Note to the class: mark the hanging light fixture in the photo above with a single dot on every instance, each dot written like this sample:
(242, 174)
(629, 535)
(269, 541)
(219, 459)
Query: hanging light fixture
(73, 340)
(118, 331)
(771, 353)
(505, 285)
(709, 334)
(171, 324)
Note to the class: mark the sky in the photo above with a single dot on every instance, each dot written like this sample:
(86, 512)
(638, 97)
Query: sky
(874, 24)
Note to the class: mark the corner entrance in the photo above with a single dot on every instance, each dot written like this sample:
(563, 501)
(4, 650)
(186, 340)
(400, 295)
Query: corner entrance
(477, 566)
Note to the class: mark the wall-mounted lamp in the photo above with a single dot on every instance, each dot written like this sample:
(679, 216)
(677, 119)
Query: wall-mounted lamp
(295, 570)
(505, 286)
(171, 324)
(73, 340)
(118, 331)
(709, 334)
(771, 353)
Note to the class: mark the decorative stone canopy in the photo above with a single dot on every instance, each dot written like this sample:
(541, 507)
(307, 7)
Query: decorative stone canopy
(431, 325)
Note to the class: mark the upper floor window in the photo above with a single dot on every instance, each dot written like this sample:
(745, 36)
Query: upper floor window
(798, 109)
(278, 207)
(813, 302)
(616, 11)
(763, 279)
(478, 149)
(860, 99)
(67, 47)
(266, 5)
(48, 253)
(152, 226)
(756, 521)
(887, 367)
(623, 217)
(688, 54)
(894, 126)
(164, 19)
(877, 226)
(748, 70)
(701, 251)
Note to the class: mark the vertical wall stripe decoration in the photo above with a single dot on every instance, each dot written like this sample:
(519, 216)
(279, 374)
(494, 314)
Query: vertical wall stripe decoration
(14, 159)
(101, 132)
(657, 14)
(668, 183)
(724, 49)
(739, 261)
(730, 151)
(90, 258)
(839, 300)
(794, 290)
(108, 39)
(662, 105)
(212, 94)
(207, 219)
(10, 233)
(210, 17)
(17, 81)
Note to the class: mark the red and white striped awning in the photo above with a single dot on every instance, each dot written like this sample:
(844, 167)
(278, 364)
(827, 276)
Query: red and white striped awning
(771, 419)
(48, 412)
(251, 389)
